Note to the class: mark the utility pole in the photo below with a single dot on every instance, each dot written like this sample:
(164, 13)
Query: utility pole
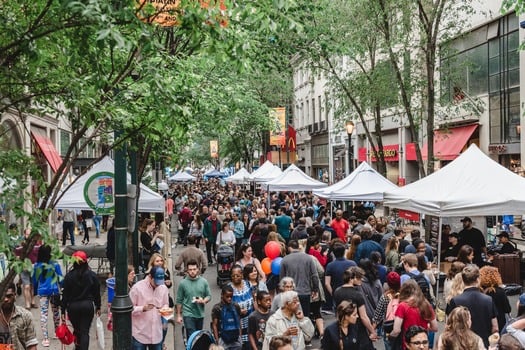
(121, 306)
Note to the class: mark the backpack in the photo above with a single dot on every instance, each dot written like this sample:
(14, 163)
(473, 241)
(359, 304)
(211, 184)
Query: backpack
(423, 284)
(230, 324)
(392, 307)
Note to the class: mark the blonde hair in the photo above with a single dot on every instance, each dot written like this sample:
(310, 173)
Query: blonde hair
(456, 288)
(457, 333)
(354, 242)
(154, 256)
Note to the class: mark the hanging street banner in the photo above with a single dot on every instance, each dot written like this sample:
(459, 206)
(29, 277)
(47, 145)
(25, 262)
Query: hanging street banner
(278, 137)
(166, 13)
(214, 148)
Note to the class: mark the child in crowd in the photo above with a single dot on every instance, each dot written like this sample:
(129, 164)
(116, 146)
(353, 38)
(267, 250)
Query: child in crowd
(257, 320)
(226, 321)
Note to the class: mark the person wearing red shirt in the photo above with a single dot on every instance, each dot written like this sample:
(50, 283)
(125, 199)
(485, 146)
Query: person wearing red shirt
(340, 225)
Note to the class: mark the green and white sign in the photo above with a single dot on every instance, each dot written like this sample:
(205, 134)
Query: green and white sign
(99, 193)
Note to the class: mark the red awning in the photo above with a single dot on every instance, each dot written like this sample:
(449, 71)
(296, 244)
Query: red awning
(449, 143)
(48, 149)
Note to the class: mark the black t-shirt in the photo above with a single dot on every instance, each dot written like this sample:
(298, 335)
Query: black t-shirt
(354, 295)
(474, 238)
(257, 326)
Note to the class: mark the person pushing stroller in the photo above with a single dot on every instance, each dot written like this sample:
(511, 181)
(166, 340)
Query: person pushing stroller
(225, 253)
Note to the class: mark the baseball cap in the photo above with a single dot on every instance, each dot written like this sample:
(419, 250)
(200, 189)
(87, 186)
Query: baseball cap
(80, 256)
(466, 218)
(157, 273)
(453, 234)
(503, 234)
(521, 299)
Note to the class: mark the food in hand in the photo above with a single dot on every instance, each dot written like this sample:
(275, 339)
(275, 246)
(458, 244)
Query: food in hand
(167, 311)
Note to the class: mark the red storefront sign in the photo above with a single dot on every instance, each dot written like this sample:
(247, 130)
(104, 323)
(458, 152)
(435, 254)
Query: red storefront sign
(407, 214)
(390, 152)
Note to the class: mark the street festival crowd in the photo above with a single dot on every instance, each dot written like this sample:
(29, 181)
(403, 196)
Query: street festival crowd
(291, 263)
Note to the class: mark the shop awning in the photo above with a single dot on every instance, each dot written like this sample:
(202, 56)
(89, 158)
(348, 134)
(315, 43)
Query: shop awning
(48, 149)
(448, 143)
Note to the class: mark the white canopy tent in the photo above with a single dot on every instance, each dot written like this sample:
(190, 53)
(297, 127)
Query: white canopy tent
(294, 179)
(471, 185)
(272, 173)
(363, 184)
(267, 166)
(181, 176)
(239, 177)
(95, 189)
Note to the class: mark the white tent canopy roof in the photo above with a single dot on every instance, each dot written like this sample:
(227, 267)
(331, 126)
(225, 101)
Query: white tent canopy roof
(294, 179)
(239, 177)
(472, 184)
(271, 173)
(363, 184)
(181, 176)
(101, 177)
(267, 166)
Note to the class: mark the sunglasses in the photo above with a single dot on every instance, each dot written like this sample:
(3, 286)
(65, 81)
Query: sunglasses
(10, 295)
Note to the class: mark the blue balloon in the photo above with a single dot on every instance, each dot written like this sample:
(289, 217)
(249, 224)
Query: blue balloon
(276, 266)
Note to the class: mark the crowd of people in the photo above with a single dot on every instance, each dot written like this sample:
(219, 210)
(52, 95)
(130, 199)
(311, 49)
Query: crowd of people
(377, 281)
(373, 274)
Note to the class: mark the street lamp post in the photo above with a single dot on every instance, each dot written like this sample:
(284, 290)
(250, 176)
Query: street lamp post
(349, 130)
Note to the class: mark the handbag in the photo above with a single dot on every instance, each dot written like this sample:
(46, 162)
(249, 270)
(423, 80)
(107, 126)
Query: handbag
(64, 334)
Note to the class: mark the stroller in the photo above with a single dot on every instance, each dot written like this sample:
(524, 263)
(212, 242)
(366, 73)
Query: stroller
(225, 260)
(200, 340)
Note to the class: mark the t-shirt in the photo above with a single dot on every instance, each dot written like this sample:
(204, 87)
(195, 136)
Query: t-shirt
(335, 270)
(411, 317)
(474, 238)
(354, 295)
(283, 225)
(340, 227)
(257, 326)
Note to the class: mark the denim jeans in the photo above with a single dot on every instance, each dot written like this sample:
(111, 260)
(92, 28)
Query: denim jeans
(136, 345)
(192, 324)
(96, 221)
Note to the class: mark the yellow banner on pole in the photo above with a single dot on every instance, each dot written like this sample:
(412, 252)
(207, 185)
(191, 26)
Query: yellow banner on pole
(214, 148)
(278, 137)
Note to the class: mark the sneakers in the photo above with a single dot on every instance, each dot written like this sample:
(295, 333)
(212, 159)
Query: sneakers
(45, 343)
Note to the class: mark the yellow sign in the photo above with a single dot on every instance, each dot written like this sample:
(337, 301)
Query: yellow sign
(166, 12)
(278, 137)
(214, 148)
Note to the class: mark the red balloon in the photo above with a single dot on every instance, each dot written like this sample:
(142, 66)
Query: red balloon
(266, 265)
(272, 249)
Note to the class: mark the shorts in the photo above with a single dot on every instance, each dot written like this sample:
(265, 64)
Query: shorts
(25, 277)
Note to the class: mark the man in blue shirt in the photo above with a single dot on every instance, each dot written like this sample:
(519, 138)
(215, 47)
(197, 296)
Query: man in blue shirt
(283, 223)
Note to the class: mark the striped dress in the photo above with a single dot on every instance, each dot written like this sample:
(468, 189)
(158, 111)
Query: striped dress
(244, 298)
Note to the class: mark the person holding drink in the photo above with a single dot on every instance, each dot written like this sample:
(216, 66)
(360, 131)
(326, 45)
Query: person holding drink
(289, 321)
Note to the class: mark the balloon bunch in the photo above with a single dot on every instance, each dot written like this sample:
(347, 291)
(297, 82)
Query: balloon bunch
(272, 262)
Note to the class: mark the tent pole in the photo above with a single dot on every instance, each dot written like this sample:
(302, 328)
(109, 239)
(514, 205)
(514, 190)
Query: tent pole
(439, 257)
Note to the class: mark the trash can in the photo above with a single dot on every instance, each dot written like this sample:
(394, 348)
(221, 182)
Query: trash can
(110, 283)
